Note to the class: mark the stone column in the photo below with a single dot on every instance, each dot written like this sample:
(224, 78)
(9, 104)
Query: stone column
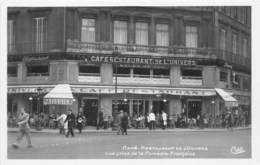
(106, 71)
(175, 74)
(209, 76)
(106, 104)
(73, 72)
(21, 72)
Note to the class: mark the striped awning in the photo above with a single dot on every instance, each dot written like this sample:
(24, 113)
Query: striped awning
(60, 95)
(229, 100)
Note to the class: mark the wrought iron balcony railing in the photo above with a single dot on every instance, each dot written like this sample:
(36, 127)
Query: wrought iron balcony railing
(29, 47)
(108, 47)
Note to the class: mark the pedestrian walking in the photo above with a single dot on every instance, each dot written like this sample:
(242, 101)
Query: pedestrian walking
(152, 120)
(80, 120)
(164, 118)
(61, 119)
(24, 129)
(71, 122)
(124, 123)
(119, 119)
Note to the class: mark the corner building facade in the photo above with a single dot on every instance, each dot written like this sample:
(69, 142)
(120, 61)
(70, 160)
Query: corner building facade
(139, 59)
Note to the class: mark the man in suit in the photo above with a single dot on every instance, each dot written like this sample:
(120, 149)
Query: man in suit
(24, 129)
(71, 123)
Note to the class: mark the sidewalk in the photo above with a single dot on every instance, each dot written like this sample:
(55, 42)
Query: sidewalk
(143, 130)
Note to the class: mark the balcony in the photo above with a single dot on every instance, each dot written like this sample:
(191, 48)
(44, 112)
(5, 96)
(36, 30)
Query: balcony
(153, 50)
(29, 47)
(128, 49)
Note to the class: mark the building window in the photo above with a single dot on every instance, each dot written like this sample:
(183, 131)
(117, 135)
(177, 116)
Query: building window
(162, 34)
(142, 72)
(222, 39)
(191, 36)
(236, 81)
(223, 76)
(234, 44)
(161, 73)
(122, 71)
(38, 70)
(191, 73)
(11, 36)
(120, 32)
(39, 34)
(86, 70)
(12, 71)
(244, 47)
(246, 84)
(88, 30)
(141, 33)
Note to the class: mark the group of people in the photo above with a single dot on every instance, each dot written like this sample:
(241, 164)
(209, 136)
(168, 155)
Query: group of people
(228, 119)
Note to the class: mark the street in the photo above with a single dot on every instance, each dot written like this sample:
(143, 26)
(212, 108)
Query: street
(214, 144)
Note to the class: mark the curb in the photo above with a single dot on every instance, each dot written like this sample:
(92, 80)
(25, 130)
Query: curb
(138, 131)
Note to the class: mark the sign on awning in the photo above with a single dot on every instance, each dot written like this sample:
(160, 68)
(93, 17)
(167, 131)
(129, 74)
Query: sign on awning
(143, 90)
(229, 100)
(60, 95)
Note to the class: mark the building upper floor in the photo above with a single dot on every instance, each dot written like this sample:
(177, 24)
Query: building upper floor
(186, 74)
(197, 32)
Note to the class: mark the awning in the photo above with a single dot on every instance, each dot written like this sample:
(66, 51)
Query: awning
(60, 95)
(229, 100)
(143, 90)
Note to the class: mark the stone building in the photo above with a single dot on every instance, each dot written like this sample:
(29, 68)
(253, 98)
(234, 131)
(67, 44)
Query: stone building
(135, 59)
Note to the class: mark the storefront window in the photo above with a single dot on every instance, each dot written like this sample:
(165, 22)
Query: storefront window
(85, 70)
(38, 70)
(122, 71)
(190, 73)
(12, 71)
(161, 73)
(141, 72)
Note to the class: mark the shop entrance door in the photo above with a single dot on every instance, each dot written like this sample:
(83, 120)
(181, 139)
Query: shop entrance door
(159, 106)
(90, 111)
(194, 109)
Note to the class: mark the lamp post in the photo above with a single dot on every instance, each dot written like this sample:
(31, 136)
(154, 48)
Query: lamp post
(39, 90)
(115, 110)
(30, 99)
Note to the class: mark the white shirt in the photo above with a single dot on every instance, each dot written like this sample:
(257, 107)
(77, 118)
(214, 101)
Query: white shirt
(164, 116)
(62, 118)
(152, 117)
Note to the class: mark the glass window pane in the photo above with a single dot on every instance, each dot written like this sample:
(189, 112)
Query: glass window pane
(141, 33)
(88, 30)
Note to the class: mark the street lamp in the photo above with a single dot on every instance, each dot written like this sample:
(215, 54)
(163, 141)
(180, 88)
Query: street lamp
(115, 110)
(39, 90)
(30, 99)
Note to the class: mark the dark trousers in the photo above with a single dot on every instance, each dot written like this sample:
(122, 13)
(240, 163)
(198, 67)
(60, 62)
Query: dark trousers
(152, 124)
(70, 131)
(124, 129)
(80, 127)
